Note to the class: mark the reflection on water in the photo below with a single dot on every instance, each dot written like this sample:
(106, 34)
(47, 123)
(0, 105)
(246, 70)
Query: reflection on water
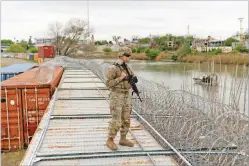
(180, 76)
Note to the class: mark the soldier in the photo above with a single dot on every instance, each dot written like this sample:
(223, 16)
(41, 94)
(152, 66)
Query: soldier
(120, 100)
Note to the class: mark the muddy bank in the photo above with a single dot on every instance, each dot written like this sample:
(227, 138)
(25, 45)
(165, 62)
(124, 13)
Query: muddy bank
(12, 158)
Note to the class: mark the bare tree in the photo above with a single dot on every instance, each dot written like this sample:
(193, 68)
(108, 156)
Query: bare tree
(67, 38)
(116, 39)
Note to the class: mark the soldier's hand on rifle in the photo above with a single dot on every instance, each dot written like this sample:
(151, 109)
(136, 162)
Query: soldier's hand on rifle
(123, 76)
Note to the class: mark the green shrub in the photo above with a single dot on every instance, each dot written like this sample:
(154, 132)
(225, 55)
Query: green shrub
(33, 50)
(164, 47)
(152, 53)
(134, 50)
(174, 57)
(147, 51)
(16, 48)
(183, 51)
(141, 49)
(241, 48)
(107, 49)
(215, 51)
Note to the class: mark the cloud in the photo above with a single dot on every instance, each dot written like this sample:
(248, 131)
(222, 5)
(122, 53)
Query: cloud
(20, 19)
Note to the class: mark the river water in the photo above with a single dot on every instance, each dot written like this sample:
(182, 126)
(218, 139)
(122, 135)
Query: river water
(179, 76)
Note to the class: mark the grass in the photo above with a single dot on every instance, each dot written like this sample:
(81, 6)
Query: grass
(229, 58)
(3, 65)
(224, 58)
(12, 158)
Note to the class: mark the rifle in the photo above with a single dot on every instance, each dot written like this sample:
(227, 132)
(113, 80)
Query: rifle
(132, 80)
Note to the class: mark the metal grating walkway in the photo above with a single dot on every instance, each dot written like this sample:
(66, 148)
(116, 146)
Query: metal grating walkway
(73, 131)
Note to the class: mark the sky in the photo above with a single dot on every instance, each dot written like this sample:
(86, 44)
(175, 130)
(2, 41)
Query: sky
(21, 19)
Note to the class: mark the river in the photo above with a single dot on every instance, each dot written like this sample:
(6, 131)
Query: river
(178, 76)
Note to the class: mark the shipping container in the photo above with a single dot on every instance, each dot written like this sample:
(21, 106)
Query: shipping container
(23, 56)
(34, 98)
(19, 55)
(46, 51)
(36, 57)
(11, 120)
(16, 55)
(40, 60)
(13, 70)
(31, 57)
(35, 102)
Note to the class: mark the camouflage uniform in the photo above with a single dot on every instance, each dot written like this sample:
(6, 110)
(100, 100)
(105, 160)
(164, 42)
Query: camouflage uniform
(120, 98)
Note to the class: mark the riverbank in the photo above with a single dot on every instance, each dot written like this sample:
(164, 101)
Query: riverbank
(224, 58)
(114, 55)
(10, 61)
(240, 59)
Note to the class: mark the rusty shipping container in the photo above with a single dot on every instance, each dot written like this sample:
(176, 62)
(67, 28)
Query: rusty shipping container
(36, 57)
(11, 120)
(46, 52)
(33, 99)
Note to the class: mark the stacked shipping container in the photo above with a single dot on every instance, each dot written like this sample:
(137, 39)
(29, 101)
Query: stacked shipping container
(13, 70)
(23, 103)
(43, 52)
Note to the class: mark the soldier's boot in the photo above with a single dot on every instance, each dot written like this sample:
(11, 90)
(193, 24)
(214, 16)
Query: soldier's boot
(110, 144)
(125, 142)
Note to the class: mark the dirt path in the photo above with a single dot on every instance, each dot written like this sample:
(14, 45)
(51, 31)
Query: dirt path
(10, 61)
(12, 158)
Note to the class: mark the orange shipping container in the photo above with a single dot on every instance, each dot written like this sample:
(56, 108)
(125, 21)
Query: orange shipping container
(36, 57)
(40, 60)
(34, 98)
(23, 56)
(46, 51)
(11, 120)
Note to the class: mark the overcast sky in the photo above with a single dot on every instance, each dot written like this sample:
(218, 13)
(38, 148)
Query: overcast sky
(126, 18)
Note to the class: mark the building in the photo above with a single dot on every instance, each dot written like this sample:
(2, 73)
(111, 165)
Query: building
(170, 43)
(246, 44)
(4, 47)
(205, 45)
(43, 41)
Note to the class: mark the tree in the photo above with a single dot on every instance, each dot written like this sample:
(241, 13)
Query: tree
(33, 50)
(66, 38)
(30, 42)
(116, 39)
(104, 42)
(101, 42)
(110, 42)
(209, 38)
(169, 37)
(246, 34)
(16, 48)
(144, 40)
(7, 41)
(24, 44)
(229, 41)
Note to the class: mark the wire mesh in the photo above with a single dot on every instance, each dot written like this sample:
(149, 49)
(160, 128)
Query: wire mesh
(206, 132)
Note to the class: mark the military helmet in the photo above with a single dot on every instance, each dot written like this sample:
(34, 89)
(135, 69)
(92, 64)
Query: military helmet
(124, 51)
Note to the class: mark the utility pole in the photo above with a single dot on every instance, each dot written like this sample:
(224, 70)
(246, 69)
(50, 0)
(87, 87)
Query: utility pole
(188, 30)
(88, 36)
(88, 31)
(241, 30)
